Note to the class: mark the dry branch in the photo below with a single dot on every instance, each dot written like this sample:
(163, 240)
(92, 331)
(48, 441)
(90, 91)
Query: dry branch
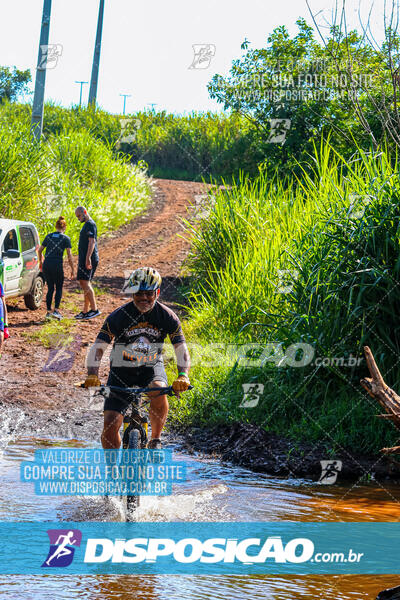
(387, 398)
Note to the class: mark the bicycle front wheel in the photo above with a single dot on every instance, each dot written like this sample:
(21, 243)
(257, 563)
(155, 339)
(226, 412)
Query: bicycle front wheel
(132, 502)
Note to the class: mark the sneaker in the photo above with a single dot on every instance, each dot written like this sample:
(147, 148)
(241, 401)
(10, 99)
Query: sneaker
(91, 314)
(81, 315)
(49, 315)
(57, 314)
(154, 444)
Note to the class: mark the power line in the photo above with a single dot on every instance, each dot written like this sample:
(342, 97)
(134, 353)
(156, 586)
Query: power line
(125, 96)
(80, 94)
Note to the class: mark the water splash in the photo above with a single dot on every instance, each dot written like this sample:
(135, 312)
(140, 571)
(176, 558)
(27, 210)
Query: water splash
(10, 420)
(196, 506)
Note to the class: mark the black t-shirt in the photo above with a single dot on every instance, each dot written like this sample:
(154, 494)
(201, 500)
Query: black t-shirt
(89, 230)
(138, 339)
(55, 244)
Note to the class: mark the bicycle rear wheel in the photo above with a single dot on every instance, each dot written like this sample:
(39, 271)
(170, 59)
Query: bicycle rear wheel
(132, 502)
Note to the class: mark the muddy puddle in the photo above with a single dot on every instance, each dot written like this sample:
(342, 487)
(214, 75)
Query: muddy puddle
(212, 492)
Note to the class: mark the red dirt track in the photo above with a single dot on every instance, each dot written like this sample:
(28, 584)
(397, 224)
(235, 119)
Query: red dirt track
(151, 239)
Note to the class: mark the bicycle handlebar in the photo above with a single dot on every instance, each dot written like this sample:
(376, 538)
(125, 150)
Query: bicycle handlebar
(169, 391)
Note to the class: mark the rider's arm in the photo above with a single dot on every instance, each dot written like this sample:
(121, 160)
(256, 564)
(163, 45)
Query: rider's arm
(182, 358)
(182, 383)
(180, 348)
(95, 354)
(94, 357)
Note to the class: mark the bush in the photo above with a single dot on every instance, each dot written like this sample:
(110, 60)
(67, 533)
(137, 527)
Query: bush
(316, 262)
(39, 182)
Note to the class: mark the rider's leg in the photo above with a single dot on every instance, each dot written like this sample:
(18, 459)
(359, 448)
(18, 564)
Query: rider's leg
(110, 437)
(158, 410)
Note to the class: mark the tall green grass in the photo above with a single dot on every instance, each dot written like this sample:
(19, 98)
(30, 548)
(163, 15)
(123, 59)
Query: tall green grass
(335, 232)
(196, 146)
(70, 167)
(192, 147)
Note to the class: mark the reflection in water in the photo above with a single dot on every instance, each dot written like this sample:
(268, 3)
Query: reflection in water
(125, 587)
(360, 504)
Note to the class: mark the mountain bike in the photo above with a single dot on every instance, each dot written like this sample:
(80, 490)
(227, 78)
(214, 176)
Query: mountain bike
(135, 426)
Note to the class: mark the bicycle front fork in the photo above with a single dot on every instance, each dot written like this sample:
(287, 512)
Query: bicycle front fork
(139, 422)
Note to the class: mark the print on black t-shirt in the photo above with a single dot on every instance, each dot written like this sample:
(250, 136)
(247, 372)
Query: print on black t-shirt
(138, 339)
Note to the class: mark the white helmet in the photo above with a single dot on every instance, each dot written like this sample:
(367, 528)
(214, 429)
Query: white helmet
(144, 278)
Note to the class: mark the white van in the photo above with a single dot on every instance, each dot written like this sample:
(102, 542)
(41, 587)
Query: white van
(19, 262)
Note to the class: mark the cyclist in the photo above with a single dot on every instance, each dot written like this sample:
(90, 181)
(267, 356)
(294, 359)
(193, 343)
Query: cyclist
(138, 329)
(52, 267)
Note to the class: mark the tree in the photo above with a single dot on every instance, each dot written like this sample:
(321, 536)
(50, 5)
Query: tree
(308, 91)
(379, 112)
(13, 82)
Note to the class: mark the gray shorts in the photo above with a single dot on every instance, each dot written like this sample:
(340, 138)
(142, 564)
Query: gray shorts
(141, 377)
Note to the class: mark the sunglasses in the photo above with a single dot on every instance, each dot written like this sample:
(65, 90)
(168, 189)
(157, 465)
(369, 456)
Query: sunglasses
(148, 293)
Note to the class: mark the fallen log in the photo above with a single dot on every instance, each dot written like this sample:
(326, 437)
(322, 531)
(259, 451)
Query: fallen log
(387, 398)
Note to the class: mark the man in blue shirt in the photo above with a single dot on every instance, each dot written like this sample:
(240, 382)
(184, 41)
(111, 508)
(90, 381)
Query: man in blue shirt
(88, 259)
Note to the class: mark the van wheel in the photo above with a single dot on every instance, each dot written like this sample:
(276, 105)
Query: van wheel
(34, 298)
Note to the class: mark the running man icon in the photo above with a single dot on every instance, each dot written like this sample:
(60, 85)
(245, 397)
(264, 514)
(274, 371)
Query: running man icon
(62, 542)
(330, 471)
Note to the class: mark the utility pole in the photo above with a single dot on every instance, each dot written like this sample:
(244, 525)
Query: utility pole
(96, 56)
(80, 95)
(125, 96)
(40, 80)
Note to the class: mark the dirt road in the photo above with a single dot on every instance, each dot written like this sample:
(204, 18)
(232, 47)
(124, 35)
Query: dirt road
(150, 239)
(51, 405)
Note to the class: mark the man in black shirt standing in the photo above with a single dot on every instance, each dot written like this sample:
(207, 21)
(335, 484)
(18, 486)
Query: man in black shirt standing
(138, 330)
(88, 259)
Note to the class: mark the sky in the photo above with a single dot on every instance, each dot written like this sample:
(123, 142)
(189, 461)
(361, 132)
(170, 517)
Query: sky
(147, 47)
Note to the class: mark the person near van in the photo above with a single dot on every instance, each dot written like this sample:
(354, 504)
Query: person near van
(52, 267)
(88, 259)
(3, 318)
(10, 241)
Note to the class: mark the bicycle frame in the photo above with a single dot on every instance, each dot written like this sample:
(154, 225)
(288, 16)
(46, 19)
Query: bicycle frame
(135, 420)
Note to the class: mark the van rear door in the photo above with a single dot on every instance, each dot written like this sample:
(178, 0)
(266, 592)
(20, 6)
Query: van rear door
(12, 266)
(29, 257)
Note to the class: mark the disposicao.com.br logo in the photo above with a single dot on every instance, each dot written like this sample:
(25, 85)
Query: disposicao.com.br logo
(187, 550)
(199, 547)
(191, 550)
(62, 547)
(212, 550)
